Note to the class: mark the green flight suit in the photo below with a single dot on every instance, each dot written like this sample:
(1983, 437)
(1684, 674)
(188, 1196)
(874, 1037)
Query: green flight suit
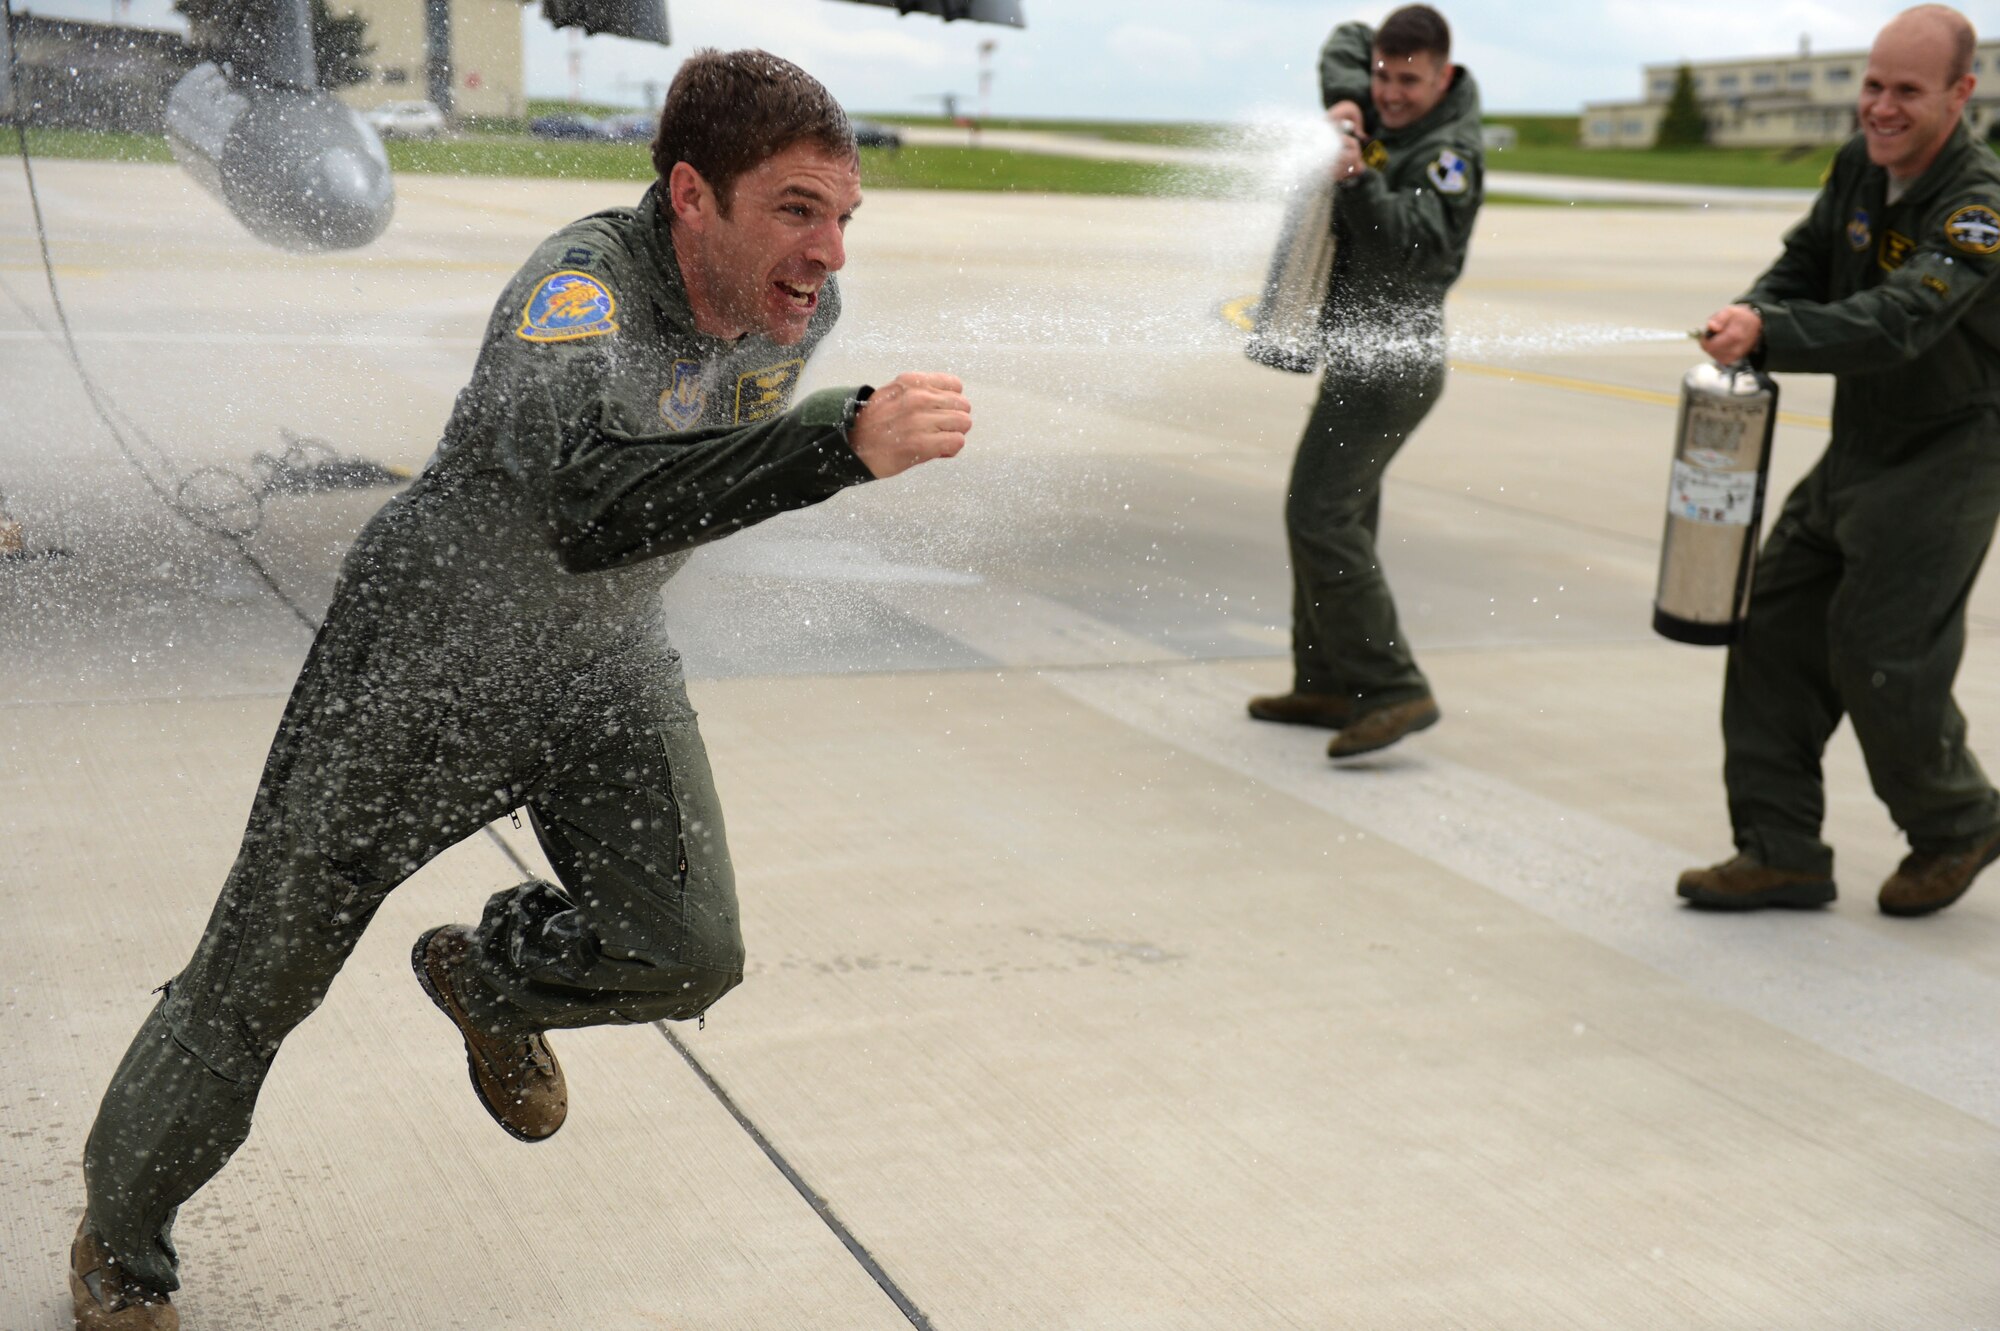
(496, 641)
(1858, 603)
(1401, 231)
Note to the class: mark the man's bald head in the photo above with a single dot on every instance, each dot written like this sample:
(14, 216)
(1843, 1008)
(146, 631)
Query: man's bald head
(1914, 91)
(1941, 29)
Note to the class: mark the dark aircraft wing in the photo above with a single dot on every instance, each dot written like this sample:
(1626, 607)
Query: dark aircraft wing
(979, 11)
(646, 20)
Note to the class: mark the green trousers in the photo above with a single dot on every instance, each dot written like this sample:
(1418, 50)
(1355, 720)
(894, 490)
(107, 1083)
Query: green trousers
(377, 767)
(1345, 636)
(1858, 610)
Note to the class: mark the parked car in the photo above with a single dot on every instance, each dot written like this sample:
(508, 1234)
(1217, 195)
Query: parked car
(564, 127)
(634, 128)
(406, 120)
(874, 134)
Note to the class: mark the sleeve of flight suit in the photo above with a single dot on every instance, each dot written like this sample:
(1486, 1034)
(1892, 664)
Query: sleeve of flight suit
(1429, 226)
(1801, 271)
(1343, 65)
(1954, 260)
(611, 492)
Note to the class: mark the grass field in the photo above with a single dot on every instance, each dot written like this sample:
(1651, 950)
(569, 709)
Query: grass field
(1547, 147)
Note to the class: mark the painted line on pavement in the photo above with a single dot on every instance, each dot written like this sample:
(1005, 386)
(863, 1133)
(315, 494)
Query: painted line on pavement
(1911, 1015)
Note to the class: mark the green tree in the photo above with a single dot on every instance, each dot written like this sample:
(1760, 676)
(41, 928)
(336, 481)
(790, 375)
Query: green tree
(340, 41)
(1683, 125)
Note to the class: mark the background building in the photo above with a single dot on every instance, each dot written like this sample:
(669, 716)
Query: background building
(465, 55)
(96, 75)
(1773, 101)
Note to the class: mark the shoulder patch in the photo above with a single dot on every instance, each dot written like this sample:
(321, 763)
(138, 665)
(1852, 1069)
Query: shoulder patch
(682, 400)
(1974, 228)
(1450, 173)
(1373, 155)
(567, 306)
(761, 393)
(1859, 233)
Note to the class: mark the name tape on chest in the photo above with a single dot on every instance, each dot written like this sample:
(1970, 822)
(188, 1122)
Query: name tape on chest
(765, 392)
(567, 306)
(1450, 173)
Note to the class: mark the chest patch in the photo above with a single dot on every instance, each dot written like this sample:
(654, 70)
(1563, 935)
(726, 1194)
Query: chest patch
(682, 400)
(1895, 250)
(761, 393)
(1859, 233)
(567, 306)
(1374, 155)
(1974, 228)
(1450, 173)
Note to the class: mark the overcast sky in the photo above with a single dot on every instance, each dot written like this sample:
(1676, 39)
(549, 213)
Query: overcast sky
(1168, 59)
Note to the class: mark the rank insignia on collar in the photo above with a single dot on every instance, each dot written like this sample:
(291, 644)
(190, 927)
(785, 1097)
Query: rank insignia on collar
(1895, 250)
(1374, 156)
(761, 393)
(567, 306)
(1974, 228)
(1858, 232)
(1449, 173)
(682, 400)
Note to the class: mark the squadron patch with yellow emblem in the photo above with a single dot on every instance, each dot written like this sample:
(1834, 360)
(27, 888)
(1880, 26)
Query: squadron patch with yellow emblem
(1859, 233)
(761, 393)
(1974, 228)
(1374, 155)
(1450, 173)
(1894, 251)
(567, 306)
(682, 400)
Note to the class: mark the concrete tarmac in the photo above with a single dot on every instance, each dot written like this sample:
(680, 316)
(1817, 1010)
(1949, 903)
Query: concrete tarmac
(1076, 998)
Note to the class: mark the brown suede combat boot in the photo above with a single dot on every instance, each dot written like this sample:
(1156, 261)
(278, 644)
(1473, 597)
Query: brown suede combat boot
(1741, 883)
(1330, 711)
(1925, 882)
(516, 1077)
(106, 1299)
(1384, 726)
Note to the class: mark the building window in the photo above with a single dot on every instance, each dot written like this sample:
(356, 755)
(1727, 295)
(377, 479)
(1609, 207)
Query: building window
(1635, 127)
(395, 76)
(1839, 73)
(1601, 128)
(1663, 87)
(1764, 80)
(1799, 77)
(1728, 81)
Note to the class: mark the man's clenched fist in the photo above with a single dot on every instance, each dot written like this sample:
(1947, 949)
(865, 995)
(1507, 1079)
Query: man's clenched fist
(912, 419)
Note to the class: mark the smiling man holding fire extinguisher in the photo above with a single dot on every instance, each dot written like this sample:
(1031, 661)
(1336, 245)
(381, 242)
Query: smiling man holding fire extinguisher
(1859, 596)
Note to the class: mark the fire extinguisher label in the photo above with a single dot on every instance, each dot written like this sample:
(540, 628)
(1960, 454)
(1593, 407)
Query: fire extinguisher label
(1720, 498)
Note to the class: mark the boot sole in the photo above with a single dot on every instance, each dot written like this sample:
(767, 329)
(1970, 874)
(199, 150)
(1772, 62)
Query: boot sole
(1792, 896)
(420, 964)
(1316, 723)
(1421, 724)
(1932, 907)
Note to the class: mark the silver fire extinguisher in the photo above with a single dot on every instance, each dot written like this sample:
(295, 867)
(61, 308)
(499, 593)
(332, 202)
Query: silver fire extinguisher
(1715, 503)
(1286, 332)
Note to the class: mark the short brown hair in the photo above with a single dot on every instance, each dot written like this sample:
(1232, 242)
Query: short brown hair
(1412, 29)
(728, 112)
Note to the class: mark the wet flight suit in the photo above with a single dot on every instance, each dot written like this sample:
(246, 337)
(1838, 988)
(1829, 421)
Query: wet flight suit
(496, 640)
(1401, 230)
(1858, 604)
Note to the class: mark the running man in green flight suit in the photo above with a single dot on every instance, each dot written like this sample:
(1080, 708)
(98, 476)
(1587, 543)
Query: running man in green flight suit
(1410, 186)
(1858, 602)
(496, 641)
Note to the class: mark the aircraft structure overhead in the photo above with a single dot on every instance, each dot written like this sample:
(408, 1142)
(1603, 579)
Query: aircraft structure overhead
(302, 170)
